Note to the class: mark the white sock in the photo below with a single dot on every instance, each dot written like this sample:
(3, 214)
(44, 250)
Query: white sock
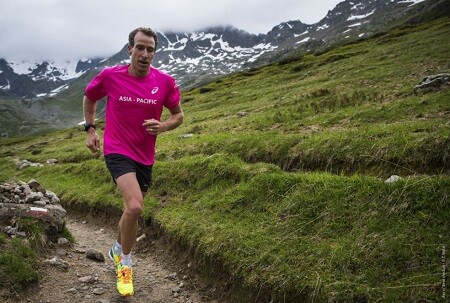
(126, 260)
(117, 248)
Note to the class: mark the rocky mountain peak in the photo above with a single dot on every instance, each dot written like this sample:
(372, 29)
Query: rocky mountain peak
(198, 56)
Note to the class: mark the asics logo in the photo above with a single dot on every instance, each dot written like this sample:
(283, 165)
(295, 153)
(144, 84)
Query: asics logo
(154, 90)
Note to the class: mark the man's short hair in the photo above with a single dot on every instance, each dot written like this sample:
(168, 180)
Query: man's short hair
(146, 30)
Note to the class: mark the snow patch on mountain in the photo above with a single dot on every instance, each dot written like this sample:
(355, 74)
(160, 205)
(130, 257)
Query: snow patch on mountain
(5, 87)
(53, 92)
(304, 40)
(325, 26)
(411, 1)
(352, 18)
(21, 67)
(304, 33)
(48, 70)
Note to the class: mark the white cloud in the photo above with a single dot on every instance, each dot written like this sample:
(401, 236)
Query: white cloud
(70, 29)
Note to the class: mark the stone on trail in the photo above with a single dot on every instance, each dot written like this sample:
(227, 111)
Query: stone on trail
(94, 254)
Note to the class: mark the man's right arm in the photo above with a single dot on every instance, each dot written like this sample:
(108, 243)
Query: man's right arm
(93, 140)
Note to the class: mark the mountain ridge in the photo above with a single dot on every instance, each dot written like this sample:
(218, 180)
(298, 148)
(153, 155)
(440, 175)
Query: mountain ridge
(195, 58)
(243, 47)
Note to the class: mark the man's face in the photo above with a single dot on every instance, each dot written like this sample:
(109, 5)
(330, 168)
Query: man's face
(142, 54)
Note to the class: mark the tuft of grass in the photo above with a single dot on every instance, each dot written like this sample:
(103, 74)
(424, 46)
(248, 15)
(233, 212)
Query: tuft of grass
(19, 256)
(2, 239)
(65, 233)
(35, 232)
(19, 265)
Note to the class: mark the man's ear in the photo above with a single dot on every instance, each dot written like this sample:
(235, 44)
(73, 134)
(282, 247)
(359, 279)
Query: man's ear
(129, 49)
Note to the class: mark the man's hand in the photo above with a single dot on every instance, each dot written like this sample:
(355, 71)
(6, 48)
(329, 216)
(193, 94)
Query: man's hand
(93, 140)
(154, 127)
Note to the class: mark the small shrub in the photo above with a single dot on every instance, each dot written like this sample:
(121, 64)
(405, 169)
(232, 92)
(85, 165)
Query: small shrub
(187, 99)
(301, 66)
(290, 59)
(249, 73)
(320, 92)
(203, 90)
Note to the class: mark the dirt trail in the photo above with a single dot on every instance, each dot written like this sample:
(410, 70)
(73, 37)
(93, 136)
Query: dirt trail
(87, 281)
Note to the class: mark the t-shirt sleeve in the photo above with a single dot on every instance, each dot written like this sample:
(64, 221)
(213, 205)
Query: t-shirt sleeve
(96, 88)
(174, 94)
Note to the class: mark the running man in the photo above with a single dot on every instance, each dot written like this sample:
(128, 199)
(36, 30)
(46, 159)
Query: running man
(136, 95)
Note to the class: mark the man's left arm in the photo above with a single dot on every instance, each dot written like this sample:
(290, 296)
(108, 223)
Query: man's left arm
(175, 119)
(155, 127)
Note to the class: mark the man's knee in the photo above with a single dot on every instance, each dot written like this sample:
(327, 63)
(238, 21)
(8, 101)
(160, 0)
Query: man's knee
(134, 210)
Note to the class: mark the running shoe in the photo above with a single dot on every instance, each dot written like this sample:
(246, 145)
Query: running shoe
(115, 258)
(125, 280)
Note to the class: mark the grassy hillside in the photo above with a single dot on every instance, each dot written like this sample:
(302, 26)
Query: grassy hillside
(26, 117)
(15, 120)
(278, 172)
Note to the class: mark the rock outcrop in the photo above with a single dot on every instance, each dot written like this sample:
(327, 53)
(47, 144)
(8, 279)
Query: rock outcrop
(30, 199)
(433, 83)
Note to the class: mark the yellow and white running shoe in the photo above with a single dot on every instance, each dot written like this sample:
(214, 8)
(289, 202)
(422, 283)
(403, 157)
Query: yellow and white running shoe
(125, 280)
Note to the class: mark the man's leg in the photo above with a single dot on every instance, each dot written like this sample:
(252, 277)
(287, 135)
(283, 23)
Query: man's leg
(133, 201)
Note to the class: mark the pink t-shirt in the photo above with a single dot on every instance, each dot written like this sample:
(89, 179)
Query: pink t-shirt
(131, 100)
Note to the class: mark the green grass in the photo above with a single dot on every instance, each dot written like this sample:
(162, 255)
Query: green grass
(337, 235)
(18, 256)
(19, 265)
(282, 180)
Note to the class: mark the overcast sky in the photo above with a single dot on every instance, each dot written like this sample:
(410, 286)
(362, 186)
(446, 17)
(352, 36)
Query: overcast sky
(73, 29)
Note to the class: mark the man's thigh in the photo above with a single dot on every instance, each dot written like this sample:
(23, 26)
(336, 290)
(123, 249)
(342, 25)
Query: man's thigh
(130, 189)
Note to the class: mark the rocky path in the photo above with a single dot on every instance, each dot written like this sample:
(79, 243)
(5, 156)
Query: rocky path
(157, 280)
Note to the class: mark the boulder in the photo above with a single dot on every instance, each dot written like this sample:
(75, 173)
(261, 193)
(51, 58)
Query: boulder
(433, 83)
(30, 199)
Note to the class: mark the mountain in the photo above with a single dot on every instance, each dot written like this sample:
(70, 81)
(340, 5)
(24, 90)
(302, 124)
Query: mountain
(27, 79)
(350, 21)
(52, 90)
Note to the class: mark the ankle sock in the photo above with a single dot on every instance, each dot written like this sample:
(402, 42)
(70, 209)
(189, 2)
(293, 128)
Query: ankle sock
(117, 248)
(126, 260)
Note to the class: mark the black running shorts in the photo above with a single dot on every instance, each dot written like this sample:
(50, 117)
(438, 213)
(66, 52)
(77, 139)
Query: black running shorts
(119, 165)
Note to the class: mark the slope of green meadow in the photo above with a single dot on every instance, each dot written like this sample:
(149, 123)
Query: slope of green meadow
(278, 172)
